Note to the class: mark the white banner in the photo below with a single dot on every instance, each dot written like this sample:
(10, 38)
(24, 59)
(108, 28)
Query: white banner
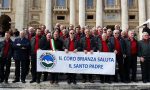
(59, 61)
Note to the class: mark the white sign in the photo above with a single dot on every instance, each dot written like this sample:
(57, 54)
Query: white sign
(59, 61)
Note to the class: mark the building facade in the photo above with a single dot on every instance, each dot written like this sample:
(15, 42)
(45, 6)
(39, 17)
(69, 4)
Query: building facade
(127, 13)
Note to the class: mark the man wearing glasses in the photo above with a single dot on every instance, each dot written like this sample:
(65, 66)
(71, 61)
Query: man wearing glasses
(72, 45)
(118, 46)
(87, 44)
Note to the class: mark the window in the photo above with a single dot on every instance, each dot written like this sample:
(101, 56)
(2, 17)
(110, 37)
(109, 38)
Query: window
(90, 17)
(110, 16)
(130, 3)
(35, 17)
(36, 3)
(131, 17)
(34, 24)
(60, 17)
(60, 2)
(5, 3)
(89, 3)
(110, 2)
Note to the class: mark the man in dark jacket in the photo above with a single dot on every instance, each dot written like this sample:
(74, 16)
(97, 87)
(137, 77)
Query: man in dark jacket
(29, 34)
(131, 57)
(43, 38)
(118, 47)
(97, 39)
(58, 46)
(71, 44)
(21, 47)
(45, 45)
(144, 54)
(87, 44)
(35, 45)
(106, 47)
(5, 54)
(64, 34)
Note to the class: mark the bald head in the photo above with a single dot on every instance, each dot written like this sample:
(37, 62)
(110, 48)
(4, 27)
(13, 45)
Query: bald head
(116, 33)
(31, 30)
(22, 34)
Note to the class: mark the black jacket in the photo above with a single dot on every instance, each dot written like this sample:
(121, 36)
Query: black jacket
(10, 51)
(98, 43)
(33, 44)
(122, 44)
(45, 44)
(58, 44)
(76, 44)
(144, 48)
(83, 43)
(109, 46)
(22, 51)
(128, 46)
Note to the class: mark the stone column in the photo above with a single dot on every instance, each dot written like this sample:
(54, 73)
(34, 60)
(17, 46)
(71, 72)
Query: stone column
(124, 14)
(48, 15)
(20, 14)
(0, 13)
(142, 15)
(72, 12)
(82, 13)
(27, 13)
(148, 10)
(0, 7)
(99, 13)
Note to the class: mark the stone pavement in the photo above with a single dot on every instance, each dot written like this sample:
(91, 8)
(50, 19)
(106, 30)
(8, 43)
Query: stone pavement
(79, 85)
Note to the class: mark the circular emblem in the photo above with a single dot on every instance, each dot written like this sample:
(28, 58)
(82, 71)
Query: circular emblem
(47, 60)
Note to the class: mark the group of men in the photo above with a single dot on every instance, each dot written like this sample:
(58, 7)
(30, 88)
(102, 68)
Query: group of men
(97, 39)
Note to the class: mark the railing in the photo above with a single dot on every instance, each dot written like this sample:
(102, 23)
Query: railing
(133, 7)
(90, 7)
(35, 8)
(60, 8)
(112, 7)
(5, 9)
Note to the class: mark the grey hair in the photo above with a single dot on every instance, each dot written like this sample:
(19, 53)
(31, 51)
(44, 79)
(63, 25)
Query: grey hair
(144, 33)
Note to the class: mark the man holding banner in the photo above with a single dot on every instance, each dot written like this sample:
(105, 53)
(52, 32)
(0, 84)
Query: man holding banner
(57, 45)
(87, 45)
(45, 44)
(71, 44)
(106, 47)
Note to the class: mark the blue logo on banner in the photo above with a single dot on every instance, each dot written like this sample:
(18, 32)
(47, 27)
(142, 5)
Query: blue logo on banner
(47, 60)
